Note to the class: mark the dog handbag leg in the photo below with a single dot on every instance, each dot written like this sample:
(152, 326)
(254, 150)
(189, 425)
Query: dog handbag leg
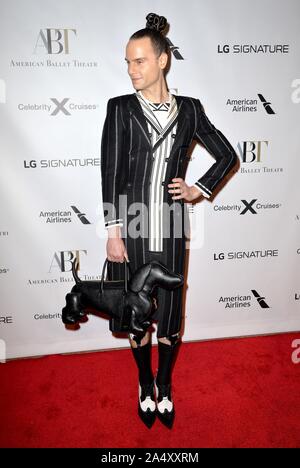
(73, 311)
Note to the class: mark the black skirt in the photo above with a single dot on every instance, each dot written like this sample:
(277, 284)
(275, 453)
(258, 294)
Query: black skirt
(170, 303)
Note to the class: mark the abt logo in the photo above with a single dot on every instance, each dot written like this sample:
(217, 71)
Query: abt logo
(54, 41)
(63, 260)
(251, 151)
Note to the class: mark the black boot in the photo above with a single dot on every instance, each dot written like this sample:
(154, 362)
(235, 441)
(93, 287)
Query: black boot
(146, 401)
(165, 405)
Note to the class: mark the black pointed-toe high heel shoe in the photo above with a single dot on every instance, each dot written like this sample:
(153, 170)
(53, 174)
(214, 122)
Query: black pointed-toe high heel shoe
(147, 404)
(165, 407)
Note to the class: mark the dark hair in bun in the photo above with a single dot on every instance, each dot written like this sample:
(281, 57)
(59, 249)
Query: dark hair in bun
(156, 22)
(154, 29)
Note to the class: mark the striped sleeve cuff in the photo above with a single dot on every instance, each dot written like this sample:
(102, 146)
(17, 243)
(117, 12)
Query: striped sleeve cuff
(114, 222)
(205, 191)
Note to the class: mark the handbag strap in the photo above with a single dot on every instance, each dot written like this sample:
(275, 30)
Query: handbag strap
(126, 263)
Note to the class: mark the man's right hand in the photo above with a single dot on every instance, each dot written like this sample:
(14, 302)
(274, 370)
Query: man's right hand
(115, 247)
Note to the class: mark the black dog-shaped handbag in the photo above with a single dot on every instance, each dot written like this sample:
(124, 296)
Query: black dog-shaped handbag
(129, 302)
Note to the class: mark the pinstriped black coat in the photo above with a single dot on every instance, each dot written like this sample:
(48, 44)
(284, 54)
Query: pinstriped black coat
(126, 163)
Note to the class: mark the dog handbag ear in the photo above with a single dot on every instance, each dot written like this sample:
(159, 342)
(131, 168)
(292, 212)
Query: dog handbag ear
(75, 266)
(166, 278)
(138, 278)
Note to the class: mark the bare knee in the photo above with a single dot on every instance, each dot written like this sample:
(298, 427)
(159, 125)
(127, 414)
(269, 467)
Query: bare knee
(171, 339)
(143, 341)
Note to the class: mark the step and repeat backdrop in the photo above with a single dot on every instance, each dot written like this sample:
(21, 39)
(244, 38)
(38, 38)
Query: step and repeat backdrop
(60, 63)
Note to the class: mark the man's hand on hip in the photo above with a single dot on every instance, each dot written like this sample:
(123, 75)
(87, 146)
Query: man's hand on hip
(180, 189)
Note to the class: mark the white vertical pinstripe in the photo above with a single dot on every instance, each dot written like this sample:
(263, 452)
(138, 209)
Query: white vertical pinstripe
(158, 169)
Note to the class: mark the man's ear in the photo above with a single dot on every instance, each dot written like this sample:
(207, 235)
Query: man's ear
(163, 60)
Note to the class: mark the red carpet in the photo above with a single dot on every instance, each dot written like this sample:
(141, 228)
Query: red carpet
(227, 393)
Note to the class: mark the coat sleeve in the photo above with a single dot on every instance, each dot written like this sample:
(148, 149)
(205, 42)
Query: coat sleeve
(111, 163)
(219, 147)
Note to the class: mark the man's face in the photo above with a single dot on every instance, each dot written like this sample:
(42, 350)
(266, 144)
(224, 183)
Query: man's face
(144, 67)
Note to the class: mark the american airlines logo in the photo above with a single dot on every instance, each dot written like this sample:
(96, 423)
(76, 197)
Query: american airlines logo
(266, 104)
(81, 216)
(174, 50)
(243, 301)
(249, 105)
(260, 299)
(63, 216)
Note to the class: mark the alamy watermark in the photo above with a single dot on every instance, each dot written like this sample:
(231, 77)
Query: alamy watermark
(160, 219)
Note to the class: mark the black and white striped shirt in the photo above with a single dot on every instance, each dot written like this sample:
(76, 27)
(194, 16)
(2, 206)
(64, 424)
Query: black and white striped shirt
(160, 117)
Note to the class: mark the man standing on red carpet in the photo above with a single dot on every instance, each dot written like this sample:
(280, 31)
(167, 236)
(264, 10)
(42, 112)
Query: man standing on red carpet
(146, 136)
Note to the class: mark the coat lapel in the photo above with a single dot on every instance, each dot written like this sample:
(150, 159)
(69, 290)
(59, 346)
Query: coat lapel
(182, 119)
(137, 113)
(182, 123)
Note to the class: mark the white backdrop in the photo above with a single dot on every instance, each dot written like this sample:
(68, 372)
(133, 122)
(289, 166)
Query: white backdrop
(60, 63)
